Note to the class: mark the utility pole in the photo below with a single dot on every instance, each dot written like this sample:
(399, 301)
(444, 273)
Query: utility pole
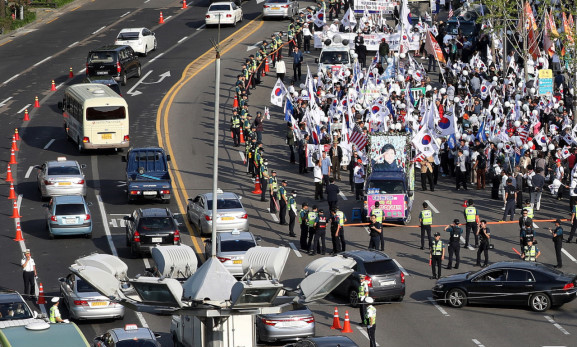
(216, 46)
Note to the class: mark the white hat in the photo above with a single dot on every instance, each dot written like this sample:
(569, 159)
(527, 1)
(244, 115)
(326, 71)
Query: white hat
(369, 300)
(55, 299)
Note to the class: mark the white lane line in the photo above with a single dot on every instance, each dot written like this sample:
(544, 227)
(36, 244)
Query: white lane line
(401, 267)
(28, 172)
(19, 204)
(343, 196)
(274, 217)
(113, 223)
(297, 253)
(158, 56)
(146, 263)
(367, 230)
(73, 44)
(13, 77)
(569, 255)
(365, 334)
(60, 85)
(5, 101)
(469, 247)
(138, 314)
(119, 214)
(475, 341)
(442, 310)
(432, 206)
(242, 156)
(98, 30)
(201, 27)
(42, 61)
(557, 325)
(535, 226)
(182, 39)
(125, 14)
(24, 108)
(105, 223)
(49, 143)
(167, 18)
(146, 1)
(81, 70)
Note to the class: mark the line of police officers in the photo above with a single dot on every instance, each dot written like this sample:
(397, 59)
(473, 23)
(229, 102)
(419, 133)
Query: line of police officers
(313, 222)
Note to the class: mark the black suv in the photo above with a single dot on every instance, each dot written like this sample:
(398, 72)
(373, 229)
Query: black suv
(120, 62)
(107, 81)
(386, 280)
(148, 227)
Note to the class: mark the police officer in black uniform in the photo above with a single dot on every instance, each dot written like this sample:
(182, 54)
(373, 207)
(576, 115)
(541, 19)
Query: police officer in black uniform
(303, 213)
(526, 234)
(282, 201)
(484, 239)
(454, 243)
(375, 229)
(320, 233)
(557, 234)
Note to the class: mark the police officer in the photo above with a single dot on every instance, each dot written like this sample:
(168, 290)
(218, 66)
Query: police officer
(235, 128)
(484, 238)
(29, 273)
(573, 223)
(292, 213)
(530, 252)
(437, 256)
(320, 233)
(55, 316)
(273, 186)
(380, 218)
(525, 219)
(283, 201)
(302, 149)
(557, 235)
(375, 229)
(454, 243)
(304, 226)
(264, 178)
(340, 234)
(371, 321)
(362, 294)
(527, 233)
(472, 219)
(311, 219)
(426, 220)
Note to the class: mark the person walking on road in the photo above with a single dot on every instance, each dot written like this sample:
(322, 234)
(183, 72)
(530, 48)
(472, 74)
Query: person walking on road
(426, 220)
(557, 235)
(311, 220)
(283, 201)
(29, 274)
(359, 179)
(264, 179)
(530, 252)
(326, 169)
(332, 194)
(537, 182)
(320, 234)
(485, 240)
(303, 214)
(362, 293)
(380, 218)
(427, 173)
(235, 128)
(318, 179)
(454, 243)
(336, 154)
(510, 199)
(55, 316)
(292, 204)
(472, 220)
(273, 186)
(371, 321)
(437, 256)
(340, 233)
(297, 63)
(375, 229)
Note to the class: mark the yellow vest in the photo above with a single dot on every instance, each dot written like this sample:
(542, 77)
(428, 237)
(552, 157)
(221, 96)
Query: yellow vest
(470, 214)
(427, 217)
(438, 247)
(378, 213)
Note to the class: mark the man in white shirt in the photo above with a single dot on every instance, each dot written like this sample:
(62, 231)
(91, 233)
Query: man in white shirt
(359, 179)
(318, 179)
(29, 273)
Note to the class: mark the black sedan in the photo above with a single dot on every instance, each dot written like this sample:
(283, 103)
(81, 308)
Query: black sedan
(508, 283)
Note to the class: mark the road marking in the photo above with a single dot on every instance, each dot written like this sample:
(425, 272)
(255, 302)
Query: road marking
(138, 314)
(11, 78)
(432, 206)
(242, 156)
(132, 91)
(106, 228)
(28, 172)
(557, 325)
(535, 226)
(469, 247)
(49, 143)
(2, 44)
(146, 1)
(76, 8)
(98, 30)
(297, 253)
(201, 27)
(5, 101)
(442, 310)
(274, 217)
(146, 263)
(167, 18)
(125, 14)
(343, 196)
(158, 56)
(367, 230)
(569, 255)
(365, 334)
(73, 44)
(42, 61)
(81, 71)
(475, 341)
(24, 108)
(182, 39)
(60, 85)
(50, 21)
(401, 267)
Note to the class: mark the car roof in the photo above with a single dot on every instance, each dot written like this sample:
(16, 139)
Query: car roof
(366, 255)
(100, 80)
(155, 212)
(56, 163)
(110, 48)
(140, 333)
(227, 236)
(126, 30)
(222, 3)
(225, 195)
(68, 199)
(527, 265)
(7, 295)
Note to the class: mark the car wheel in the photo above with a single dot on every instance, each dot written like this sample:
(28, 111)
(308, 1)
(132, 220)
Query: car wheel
(456, 298)
(234, 23)
(155, 45)
(540, 302)
(145, 51)
(123, 79)
(353, 297)
(241, 17)
(80, 148)
(138, 71)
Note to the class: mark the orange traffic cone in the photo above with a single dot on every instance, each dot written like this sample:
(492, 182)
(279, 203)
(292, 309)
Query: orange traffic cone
(235, 103)
(241, 136)
(184, 4)
(36, 103)
(14, 144)
(70, 73)
(347, 327)
(464, 204)
(16, 135)
(12, 194)
(18, 233)
(161, 20)
(53, 87)
(41, 299)
(257, 186)
(26, 116)
(15, 213)
(266, 66)
(12, 158)
(9, 177)
(336, 320)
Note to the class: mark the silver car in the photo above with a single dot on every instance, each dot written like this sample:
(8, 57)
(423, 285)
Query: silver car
(61, 177)
(231, 215)
(231, 248)
(280, 8)
(84, 302)
(290, 325)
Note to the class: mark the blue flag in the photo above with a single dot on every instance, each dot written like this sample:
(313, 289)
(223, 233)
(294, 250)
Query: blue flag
(288, 112)
(452, 141)
(481, 135)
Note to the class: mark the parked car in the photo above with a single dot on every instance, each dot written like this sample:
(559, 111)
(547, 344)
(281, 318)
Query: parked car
(120, 62)
(231, 214)
(13, 306)
(107, 81)
(61, 177)
(385, 279)
(224, 12)
(508, 283)
(68, 215)
(147, 227)
(280, 8)
(141, 40)
(231, 248)
(129, 336)
(290, 325)
(324, 341)
(84, 302)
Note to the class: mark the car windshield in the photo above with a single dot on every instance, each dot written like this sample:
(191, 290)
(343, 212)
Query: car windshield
(156, 224)
(136, 343)
(14, 310)
(127, 36)
(102, 57)
(277, 1)
(236, 245)
(386, 186)
(63, 170)
(225, 204)
(105, 113)
(334, 57)
(219, 8)
(467, 28)
(69, 209)
(83, 287)
(381, 267)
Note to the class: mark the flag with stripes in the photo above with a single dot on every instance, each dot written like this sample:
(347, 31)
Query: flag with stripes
(357, 137)
(524, 133)
(451, 14)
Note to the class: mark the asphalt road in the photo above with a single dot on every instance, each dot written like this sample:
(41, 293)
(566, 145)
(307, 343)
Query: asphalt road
(177, 113)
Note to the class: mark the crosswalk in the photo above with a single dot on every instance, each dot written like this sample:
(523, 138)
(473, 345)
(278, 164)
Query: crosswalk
(116, 220)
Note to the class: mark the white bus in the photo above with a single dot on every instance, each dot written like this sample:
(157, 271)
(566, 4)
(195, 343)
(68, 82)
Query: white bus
(95, 117)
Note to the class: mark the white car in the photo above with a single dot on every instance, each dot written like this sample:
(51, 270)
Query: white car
(223, 13)
(141, 40)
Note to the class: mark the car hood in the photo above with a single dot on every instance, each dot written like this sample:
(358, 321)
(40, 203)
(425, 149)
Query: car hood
(453, 278)
(288, 314)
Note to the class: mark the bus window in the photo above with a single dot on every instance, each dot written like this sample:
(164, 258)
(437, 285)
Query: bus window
(105, 113)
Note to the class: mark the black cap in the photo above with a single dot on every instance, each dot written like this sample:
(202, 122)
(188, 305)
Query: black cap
(294, 191)
(273, 171)
(437, 234)
(558, 221)
(321, 211)
(456, 221)
(284, 181)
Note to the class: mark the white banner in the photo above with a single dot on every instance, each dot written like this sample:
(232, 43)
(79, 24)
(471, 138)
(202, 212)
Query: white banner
(372, 41)
(384, 6)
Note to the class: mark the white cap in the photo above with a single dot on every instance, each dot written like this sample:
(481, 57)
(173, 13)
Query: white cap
(369, 300)
(55, 299)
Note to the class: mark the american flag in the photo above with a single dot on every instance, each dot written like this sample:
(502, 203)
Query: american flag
(450, 10)
(524, 132)
(358, 137)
